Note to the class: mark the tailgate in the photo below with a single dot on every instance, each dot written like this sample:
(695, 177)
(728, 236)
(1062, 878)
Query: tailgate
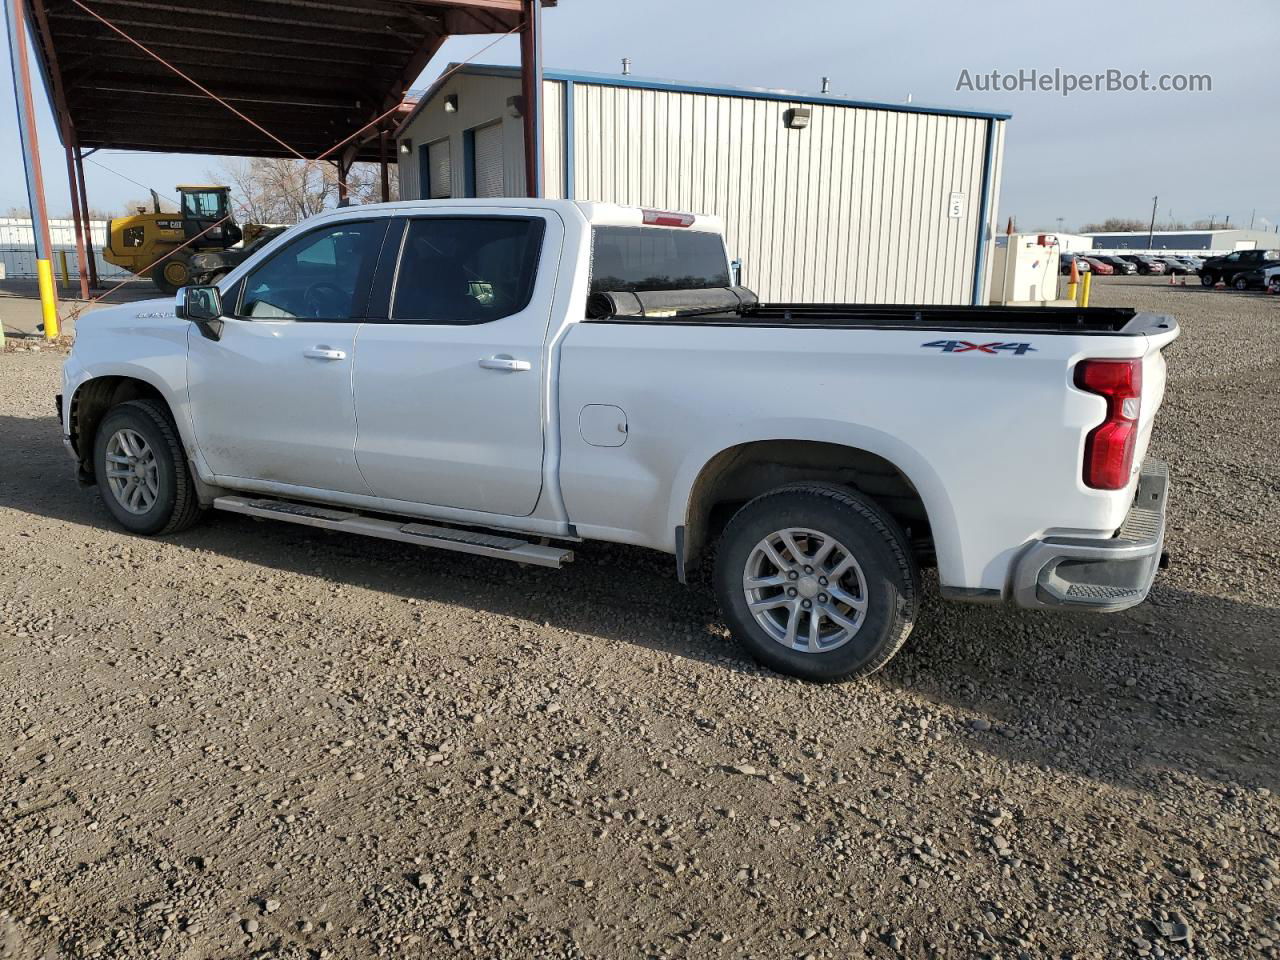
(1154, 375)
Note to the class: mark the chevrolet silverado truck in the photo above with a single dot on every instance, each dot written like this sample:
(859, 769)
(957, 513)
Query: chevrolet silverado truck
(510, 377)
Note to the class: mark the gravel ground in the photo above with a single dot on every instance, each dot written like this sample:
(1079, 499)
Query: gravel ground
(256, 740)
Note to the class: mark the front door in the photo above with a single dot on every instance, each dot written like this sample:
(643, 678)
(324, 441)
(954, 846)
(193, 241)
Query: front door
(271, 400)
(450, 380)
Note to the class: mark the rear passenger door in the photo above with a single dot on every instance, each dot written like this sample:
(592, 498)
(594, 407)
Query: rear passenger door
(450, 375)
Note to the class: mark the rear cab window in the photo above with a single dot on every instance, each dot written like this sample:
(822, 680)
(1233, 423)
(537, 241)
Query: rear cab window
(637, 259)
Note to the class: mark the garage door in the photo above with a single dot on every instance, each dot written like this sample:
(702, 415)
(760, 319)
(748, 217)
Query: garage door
(488, 160)
(439, 170)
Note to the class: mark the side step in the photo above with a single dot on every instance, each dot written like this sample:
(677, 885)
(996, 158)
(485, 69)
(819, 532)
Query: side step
(423, 534)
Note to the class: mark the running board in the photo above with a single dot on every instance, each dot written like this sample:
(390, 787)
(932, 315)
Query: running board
(423, 534)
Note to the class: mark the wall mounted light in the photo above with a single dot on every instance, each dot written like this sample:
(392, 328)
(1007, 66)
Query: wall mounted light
(451, 103)
(515, 106)
(797, 118)
(406, 146)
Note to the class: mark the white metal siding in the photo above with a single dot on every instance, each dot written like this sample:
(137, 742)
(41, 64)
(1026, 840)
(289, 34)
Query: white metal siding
(488, 160)
(18, 248)
(481, 101)
(851, 208)
(552, 139)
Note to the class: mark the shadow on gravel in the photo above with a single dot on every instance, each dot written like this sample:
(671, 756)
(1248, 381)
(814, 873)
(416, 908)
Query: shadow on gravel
(1185, 682)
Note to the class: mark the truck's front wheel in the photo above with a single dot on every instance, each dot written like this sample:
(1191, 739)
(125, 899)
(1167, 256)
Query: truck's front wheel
(817, 582)
(142, 472)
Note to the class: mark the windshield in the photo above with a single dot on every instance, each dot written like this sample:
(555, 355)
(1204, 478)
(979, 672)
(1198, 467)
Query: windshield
(636, 259)
(202, 204)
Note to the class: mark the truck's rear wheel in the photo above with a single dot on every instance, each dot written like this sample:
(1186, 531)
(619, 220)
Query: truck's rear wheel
(171, 273)
(817, 582)
(142, 472)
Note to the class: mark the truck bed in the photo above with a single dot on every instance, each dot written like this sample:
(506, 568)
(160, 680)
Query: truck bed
(1096, 321)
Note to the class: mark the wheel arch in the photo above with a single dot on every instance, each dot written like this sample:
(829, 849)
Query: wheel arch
(97, 395)
(903, 485)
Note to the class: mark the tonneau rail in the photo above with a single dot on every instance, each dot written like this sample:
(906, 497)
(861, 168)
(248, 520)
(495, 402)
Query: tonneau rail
(1099, 321)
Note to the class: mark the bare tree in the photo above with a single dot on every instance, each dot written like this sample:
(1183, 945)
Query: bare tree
(273, 190)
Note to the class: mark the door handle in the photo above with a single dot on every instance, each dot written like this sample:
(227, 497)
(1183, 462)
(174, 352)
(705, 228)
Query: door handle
(324, 353)
(505, 363)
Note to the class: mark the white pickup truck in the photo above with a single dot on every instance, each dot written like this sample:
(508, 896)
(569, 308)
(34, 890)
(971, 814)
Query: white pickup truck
(509, 377)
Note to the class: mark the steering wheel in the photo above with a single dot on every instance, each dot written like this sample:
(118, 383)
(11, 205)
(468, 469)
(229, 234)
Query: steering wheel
(322, 298)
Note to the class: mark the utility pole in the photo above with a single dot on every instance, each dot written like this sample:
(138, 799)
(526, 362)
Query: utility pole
(16, 21)
(1252, 214)
(1151, 234)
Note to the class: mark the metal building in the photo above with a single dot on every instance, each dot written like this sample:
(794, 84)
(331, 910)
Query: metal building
(823, 198)
(1188, 241)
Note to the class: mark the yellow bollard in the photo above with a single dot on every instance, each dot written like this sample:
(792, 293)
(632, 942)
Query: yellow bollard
(1074, 284)
(66, 272)
(1085, 288)
(48, 301)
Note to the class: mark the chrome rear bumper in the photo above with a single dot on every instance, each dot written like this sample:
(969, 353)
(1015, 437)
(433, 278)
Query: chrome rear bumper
(1103, 576)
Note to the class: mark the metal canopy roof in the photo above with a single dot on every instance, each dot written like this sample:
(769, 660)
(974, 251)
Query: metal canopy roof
(312, 72)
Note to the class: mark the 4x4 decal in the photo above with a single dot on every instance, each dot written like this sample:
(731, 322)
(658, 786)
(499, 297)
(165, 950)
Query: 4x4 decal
(964, 346)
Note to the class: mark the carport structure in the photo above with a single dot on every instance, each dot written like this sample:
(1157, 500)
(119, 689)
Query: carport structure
(321, 80)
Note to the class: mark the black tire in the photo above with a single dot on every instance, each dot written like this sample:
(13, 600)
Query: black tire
(176, 506)
(1207, 280)
(171, 273)
(871, 537)
(1240, 283)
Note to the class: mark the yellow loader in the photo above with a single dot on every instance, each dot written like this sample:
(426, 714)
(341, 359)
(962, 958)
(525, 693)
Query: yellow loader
(147, 243)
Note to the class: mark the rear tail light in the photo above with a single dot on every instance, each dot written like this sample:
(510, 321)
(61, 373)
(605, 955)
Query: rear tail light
(667, 218)
(1109, 448)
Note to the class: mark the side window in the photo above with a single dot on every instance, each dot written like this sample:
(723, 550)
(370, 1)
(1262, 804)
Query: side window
(466, 269)
(323, 275)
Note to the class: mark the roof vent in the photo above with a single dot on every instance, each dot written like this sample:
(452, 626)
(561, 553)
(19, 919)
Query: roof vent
(826, 85)
(626, 66)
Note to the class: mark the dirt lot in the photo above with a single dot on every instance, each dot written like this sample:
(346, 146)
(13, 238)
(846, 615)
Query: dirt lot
(255, 740)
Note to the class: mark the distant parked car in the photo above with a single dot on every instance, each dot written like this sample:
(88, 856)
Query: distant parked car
(1064, 264)
(1195, 263)
(1258, 278)
(1119, 264)
(1175, 266)
(1241, 261)
(1145, 264)
(1099, 267)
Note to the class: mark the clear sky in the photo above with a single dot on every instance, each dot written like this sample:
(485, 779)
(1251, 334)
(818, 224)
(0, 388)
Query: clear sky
(1081, 157)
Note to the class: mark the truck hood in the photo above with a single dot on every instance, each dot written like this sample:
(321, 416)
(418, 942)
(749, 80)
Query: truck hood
(110, 333)
(129, 316)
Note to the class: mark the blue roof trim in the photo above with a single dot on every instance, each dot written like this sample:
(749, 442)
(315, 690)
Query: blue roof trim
(754, 93)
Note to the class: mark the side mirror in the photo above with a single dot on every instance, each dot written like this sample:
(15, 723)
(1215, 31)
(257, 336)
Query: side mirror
(203, 307)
